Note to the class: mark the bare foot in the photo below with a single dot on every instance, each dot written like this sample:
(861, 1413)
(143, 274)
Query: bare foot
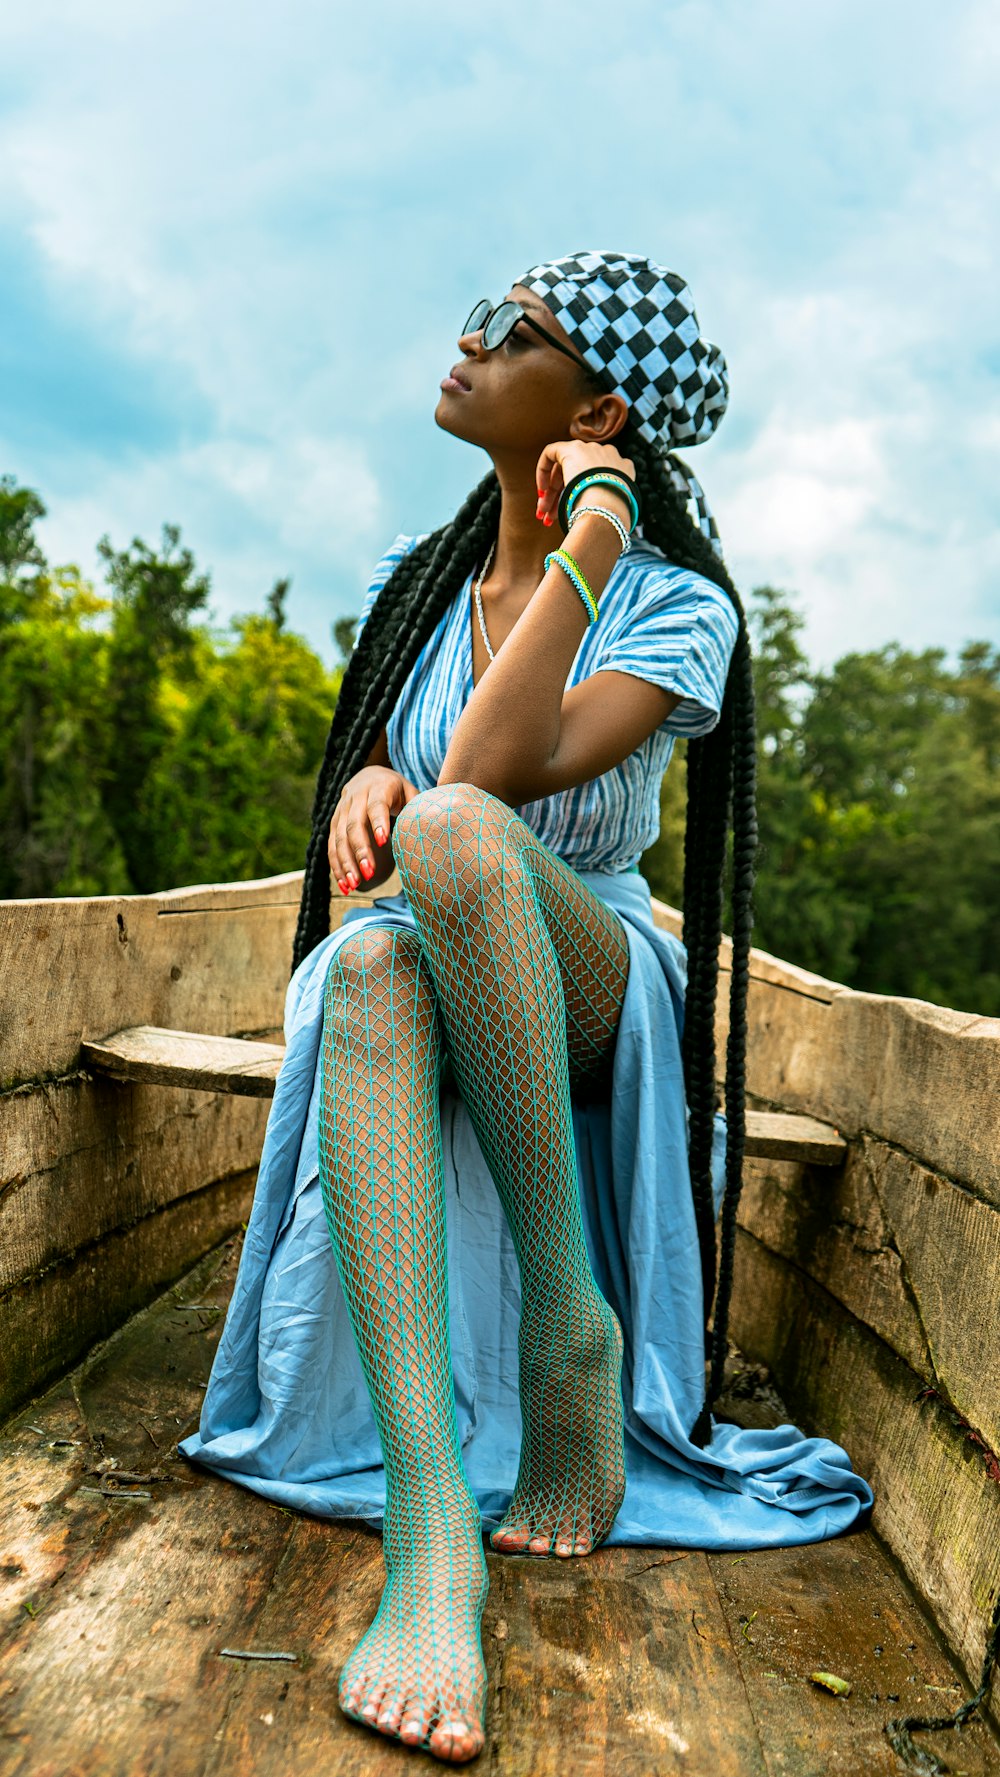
(418, 1674)
(571, 1476)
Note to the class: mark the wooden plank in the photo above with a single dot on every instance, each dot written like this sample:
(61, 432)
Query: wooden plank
(214, 958)
(920, 1076)
(80, 1158)
(621, 1662)
(187, 1058)
(937, 1499)
(838, 1607)
(80, 967)
(784, 1135)
(634, 1660)
(50, 1321)
(889, 1239)
(228, 1064)
(98, 1677)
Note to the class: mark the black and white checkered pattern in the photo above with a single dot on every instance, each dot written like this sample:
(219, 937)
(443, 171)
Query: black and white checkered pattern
(635, 324)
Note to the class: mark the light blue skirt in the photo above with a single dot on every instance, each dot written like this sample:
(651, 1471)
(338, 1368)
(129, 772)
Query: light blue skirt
(287, 1411)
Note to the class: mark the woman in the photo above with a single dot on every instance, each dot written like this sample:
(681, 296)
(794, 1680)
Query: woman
(502, 730)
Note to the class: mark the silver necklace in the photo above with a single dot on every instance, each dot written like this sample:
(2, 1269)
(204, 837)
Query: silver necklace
(479, 598)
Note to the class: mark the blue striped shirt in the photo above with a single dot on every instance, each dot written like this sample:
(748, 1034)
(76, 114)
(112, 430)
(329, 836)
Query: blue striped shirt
(658, 622)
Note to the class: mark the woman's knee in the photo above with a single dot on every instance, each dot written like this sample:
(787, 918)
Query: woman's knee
(449, 840)
(371, 957)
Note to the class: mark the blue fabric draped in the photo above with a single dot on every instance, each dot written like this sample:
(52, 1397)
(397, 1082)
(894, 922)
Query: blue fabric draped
(287, 1412)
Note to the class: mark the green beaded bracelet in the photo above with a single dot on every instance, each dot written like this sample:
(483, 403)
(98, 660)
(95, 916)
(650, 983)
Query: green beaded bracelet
(573, 572)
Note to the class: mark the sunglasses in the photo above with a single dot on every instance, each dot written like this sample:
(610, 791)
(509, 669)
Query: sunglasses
(497, 324)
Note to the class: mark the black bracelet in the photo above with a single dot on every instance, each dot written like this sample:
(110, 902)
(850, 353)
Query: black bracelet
(619, 474)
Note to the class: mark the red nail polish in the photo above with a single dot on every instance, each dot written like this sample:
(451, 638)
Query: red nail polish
(380, 835)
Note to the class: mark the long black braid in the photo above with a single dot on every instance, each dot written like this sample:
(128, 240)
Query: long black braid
(721, 780)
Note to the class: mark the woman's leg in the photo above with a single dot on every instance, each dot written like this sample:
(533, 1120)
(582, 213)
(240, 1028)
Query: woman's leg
(418, 1673)
(530, 969)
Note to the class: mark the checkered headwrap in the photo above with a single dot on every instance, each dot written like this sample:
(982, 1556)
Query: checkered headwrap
(634, 323)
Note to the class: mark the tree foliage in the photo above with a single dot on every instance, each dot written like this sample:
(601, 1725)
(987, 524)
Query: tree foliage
(143, 749)
(878, 794)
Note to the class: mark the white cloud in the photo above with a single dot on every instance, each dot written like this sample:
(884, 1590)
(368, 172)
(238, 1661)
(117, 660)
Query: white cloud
(291, 208)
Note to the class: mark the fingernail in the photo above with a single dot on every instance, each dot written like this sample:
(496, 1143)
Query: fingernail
(352, 879)
(342, 887)
(367, 868)
(380, 835)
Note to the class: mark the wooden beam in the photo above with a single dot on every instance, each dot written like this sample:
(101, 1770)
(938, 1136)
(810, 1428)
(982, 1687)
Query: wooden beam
(230, 1064)
(783, 1135)
(186, 1058)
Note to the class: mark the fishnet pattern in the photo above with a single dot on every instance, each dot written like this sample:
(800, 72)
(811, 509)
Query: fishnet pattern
(516, 979)
(418, 1671)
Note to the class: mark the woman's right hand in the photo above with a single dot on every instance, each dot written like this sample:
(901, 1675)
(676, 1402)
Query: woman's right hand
(369, 802)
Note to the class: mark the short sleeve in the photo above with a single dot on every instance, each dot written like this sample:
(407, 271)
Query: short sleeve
(393, 556)
(678, 630)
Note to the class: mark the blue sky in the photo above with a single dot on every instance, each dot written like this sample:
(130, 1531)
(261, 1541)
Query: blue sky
(236, 246)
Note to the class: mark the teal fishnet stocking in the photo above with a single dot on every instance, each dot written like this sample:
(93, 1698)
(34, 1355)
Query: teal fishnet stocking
(417, 1673)
(487, 897)
(516, 982)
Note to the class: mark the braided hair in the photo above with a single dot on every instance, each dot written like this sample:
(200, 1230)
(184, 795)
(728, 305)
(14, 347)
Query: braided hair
(721, 768)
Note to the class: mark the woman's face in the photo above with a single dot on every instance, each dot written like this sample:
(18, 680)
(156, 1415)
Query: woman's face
(521, 396)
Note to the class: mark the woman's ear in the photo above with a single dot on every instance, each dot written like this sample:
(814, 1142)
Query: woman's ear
(600, 419)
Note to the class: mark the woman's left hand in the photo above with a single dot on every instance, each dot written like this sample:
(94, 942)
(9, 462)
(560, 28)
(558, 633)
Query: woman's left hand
(558, 464)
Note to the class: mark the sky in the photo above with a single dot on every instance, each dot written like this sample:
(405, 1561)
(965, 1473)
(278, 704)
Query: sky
(237, 246)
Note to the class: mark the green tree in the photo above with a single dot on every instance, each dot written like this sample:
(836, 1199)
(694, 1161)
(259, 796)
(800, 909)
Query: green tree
(878, 793)
(230, 795)
(21, 558)
(155, 595)
(55, 838)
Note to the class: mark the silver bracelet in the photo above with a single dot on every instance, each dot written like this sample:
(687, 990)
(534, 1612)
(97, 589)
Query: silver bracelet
(602, 512)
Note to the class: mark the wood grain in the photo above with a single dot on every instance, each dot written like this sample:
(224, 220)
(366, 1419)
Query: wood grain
(937, 1501)
(642, 1661)
(185, 1058)
(150, 1056)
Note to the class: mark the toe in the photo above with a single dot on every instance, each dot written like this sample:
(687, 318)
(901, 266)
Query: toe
(391, 1712)
(454, 1738)
(413, 1722)
(353, 1692)
(511, 1536)
(371, 1705)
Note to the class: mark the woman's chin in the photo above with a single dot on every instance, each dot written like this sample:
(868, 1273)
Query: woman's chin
(449, 418)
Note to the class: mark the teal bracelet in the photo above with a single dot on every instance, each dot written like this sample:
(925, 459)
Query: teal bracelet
(605, 478)
(572, 571)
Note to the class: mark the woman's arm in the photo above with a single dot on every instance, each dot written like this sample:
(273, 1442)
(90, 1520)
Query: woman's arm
(508, 733)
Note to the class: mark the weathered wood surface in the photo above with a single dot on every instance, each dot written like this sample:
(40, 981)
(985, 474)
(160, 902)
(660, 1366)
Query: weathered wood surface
(47, 1320)
(212, 959)
(645, 1661)
(920, 1076)
(780, 1134)
(912, 1256)
(227, 1064)
(81, 1158)
(185, 1058)
(937, 1497)
(100, 1181)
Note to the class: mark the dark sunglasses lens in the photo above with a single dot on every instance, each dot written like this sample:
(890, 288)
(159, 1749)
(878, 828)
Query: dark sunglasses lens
(476, 318)
(502, 321)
